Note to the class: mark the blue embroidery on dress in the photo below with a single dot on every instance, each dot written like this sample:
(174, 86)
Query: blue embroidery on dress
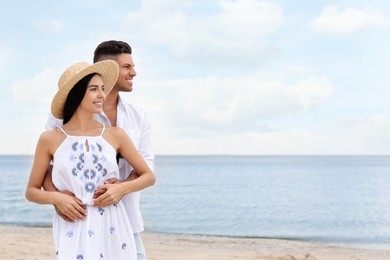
(81, 157)
(69, 234)
(101, 211)
(74, 146)
(124, 246)
(88, 164)
(72, 158)
(99, 147)
(86, 175)
(104, 172)
(95, 158)
(91, 233)
(112, 230)
(79, 257)
(89, 174)
(80, 166)
(89, 187)
(99, 167)
(93, 174)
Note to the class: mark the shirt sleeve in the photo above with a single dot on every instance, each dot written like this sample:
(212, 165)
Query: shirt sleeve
(52, 122)
(145, 143)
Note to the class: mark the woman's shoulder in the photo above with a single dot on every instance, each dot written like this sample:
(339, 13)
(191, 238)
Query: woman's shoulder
(50, 135)
(113, 134)
(114, 130)
(49, 138)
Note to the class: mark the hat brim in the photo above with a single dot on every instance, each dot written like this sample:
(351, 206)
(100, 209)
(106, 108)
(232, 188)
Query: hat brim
(107, 69)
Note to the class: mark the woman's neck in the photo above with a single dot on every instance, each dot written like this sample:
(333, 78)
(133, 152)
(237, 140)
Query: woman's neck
(82, 124)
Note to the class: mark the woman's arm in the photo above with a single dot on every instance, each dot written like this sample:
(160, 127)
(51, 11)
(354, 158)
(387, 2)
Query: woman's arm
(34, 193)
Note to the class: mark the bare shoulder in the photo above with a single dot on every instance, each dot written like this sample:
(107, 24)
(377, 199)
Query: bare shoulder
(48, 135)
(114, 135)
(51, 137)
(114, 131)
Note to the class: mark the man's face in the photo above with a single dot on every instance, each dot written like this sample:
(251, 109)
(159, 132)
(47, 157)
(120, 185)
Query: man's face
(126, 72)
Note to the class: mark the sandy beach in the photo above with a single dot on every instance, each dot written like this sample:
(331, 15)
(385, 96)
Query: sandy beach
(22, 243)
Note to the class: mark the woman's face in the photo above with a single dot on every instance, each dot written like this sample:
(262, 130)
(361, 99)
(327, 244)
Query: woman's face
(94, 96)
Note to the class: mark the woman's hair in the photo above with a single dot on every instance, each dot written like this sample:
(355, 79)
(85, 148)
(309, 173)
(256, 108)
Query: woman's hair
(110, 49)
(75, 97)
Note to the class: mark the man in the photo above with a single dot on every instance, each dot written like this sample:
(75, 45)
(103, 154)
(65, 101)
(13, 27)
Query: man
(134, 121)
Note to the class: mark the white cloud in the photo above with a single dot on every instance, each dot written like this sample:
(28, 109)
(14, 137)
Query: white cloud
(312, 91)
(295, 141)
(200, 80)
(236, 33)
(372, 132)
(38, 90)
(366, 135)
(49, 27)
(227, 105)
(350, 20)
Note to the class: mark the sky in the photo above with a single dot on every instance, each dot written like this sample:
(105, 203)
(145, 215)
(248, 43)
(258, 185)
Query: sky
(230, 77)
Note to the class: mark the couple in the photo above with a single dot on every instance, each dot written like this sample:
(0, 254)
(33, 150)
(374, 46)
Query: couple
(89, 157)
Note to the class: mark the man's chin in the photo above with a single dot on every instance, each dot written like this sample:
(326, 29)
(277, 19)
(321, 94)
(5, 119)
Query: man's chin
(127, 89)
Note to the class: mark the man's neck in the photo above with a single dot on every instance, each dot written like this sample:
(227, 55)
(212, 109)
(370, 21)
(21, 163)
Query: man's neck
(110, 107)
(111, 102)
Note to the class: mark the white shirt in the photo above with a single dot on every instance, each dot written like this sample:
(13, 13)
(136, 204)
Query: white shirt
(135, 122)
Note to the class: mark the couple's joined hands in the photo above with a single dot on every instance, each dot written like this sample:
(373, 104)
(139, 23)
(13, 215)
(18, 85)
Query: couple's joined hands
(69, 207)
(72, 209)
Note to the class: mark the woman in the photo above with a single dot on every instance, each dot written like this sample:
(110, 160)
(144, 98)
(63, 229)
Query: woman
(83, 153)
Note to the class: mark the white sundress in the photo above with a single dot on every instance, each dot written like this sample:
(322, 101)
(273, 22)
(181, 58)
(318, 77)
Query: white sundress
(82, 164)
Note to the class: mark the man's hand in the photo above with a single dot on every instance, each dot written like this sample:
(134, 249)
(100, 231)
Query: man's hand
(112, 181)
(133, 175)
(69, 207)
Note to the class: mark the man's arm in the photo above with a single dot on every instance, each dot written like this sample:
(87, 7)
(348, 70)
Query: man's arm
(113, 193)
(48, 182)
(144, 149)
(145, 144)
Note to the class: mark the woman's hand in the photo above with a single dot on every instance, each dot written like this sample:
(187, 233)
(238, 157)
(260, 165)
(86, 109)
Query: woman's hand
(69, 207)
(109, 194)
(99, 192)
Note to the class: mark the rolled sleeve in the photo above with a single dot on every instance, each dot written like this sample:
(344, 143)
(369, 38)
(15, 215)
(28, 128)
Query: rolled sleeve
(52, 122)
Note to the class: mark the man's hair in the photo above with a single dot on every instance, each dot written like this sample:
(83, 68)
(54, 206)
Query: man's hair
(110, 49)
(75, 96)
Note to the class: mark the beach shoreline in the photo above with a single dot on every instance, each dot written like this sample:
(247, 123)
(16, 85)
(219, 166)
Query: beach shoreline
(17, 242)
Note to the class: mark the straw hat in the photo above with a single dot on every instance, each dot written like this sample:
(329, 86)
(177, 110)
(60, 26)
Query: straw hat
(107, 69)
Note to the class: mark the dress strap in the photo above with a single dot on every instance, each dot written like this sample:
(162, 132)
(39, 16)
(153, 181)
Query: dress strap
(63, 131)
(104, 128)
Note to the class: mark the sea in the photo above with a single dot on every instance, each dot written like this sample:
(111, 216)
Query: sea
(335, 200)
